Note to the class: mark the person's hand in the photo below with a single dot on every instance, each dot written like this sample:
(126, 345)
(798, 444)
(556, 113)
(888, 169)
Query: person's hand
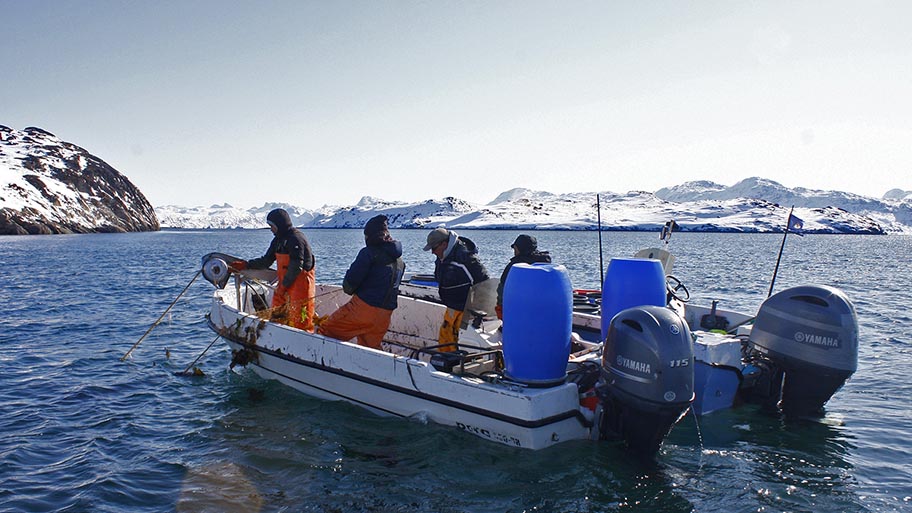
(499, 311)
(238, 265)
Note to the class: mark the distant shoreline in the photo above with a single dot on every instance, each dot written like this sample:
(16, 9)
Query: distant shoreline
(519, 228)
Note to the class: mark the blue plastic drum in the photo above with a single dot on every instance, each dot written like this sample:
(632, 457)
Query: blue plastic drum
(631, 282)
(537, 319)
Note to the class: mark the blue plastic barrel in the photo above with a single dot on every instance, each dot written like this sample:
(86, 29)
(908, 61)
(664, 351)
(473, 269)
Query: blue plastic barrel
(537, 319)
(631, 282)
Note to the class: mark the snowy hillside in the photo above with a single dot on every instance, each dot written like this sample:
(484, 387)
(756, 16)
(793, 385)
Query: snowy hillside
(893, 212)
(526, 209)
(51, 186)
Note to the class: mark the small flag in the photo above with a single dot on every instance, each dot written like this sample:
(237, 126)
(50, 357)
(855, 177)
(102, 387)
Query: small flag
(795, 224)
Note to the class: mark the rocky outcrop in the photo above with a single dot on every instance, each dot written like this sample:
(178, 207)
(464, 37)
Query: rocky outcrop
(50, 186)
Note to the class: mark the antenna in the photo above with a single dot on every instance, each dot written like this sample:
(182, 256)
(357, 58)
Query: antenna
(598, 204)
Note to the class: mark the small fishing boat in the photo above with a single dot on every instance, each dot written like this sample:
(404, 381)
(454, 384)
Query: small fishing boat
(549, 373)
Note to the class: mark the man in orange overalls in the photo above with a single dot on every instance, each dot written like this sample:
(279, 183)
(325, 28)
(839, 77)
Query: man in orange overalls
(295, 267)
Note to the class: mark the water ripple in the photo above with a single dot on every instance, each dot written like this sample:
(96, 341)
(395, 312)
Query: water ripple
(86, 432)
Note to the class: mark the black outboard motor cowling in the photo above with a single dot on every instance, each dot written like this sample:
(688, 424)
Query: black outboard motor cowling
(809, 334)
(648, 376)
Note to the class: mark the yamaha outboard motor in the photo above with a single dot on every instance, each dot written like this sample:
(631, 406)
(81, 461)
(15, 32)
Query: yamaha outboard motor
(648, 377)
(805, 340)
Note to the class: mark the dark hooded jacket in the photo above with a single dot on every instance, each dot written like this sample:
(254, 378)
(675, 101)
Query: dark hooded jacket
(288, 240)
(375, 274)
(457, 272)
(532, 257)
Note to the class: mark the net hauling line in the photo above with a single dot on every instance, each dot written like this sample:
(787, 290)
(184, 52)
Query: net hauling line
(162, 316)
(268, 312)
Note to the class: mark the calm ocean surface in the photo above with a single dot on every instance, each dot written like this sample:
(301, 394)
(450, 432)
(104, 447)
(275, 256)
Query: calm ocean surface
(82, 431)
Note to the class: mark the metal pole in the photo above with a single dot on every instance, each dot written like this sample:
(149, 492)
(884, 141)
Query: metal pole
(598, 204)
(781, 247)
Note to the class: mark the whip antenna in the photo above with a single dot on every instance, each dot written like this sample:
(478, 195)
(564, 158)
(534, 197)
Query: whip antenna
(598, 206)
(795, 225)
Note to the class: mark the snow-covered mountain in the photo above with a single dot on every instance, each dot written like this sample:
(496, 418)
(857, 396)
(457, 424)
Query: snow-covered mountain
(893, 212)
(898, 195)
(529, 210)
(51, 186)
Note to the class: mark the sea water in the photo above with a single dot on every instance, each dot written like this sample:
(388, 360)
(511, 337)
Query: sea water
(83, 431)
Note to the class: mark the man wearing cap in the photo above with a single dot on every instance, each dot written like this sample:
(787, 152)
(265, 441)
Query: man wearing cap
(525, 250)
(457, 269)
(295, 268)
(373, 282)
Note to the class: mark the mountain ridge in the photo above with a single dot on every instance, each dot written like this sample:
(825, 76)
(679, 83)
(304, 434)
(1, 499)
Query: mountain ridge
(695, 206)
(52, 186)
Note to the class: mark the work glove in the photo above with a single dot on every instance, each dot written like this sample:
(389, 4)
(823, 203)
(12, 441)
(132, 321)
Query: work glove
(238, 265)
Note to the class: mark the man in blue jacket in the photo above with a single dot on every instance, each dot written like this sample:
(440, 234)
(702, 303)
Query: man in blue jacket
(457, 269)
(373, 282)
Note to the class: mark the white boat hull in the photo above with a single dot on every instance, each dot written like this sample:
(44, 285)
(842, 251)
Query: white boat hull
(397, 384)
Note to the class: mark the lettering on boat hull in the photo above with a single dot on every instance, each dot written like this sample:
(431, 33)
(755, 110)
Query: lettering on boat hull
(491, 435)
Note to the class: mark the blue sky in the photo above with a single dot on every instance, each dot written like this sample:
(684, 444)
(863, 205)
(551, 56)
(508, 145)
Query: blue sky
(312, 103)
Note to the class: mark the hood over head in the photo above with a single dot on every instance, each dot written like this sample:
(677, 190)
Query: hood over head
(376, 225)
(376, 231)
(280, 219)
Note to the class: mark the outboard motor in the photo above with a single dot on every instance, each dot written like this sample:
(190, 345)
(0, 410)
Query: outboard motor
(647, 376)
(805, 343)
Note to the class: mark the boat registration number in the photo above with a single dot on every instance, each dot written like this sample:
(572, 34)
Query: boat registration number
(491, 435)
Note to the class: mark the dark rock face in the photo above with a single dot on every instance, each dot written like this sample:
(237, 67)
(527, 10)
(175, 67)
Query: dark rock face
(57, 187)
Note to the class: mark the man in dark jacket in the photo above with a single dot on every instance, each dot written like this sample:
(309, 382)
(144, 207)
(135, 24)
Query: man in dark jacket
(457, 269)
(295, 293)
(525, 250)
(373, 282)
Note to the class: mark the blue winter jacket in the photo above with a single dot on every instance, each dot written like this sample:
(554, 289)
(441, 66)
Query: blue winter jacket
(375, 275)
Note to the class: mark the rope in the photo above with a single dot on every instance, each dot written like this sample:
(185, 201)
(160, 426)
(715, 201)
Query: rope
(162, 316)
(281, 312)
(187, 370)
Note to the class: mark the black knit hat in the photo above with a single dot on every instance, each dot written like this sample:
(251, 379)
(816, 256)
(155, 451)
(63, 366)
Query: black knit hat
(375, 225)
(525, 244)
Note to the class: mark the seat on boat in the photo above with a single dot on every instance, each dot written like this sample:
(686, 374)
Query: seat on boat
(659, 254)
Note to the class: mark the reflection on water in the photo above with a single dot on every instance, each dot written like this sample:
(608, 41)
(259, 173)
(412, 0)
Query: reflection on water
(783, 464)
(222, 486)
